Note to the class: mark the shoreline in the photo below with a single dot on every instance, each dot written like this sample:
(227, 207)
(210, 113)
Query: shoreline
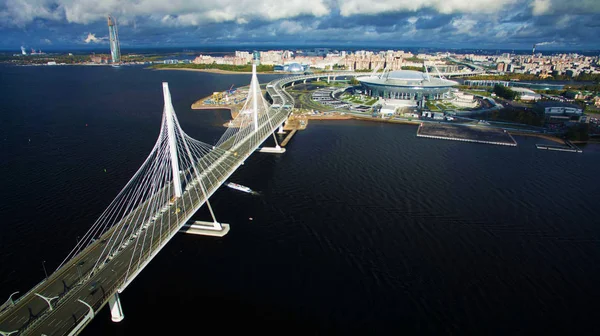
(198, 105)
(414, 122)
(538, 135)
(219, 71)
(353, 117)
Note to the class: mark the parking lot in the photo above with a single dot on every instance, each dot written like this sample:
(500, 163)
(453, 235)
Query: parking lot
(325, 96)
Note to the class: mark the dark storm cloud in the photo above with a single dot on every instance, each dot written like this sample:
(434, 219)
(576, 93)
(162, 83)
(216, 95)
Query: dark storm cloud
(432, 22)
(388, 19)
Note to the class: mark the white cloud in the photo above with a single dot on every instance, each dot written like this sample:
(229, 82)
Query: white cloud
(91, 38)
(540, 6)
(353, 7)
(179, 12)
(197, 12)
(20, 12)
(290, 27)
(543, 7)
(465, 26)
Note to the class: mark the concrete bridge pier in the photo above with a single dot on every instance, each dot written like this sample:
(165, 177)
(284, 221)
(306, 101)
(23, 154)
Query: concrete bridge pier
(88, 317)
(304, 81)
(205, 228)
(47, 299)
(328, 79)
(116, 310)
(280, 131)
(275, 150)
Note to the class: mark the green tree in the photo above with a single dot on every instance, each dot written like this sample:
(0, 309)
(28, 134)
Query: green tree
(412, 68)
(578, 133)
(227, 67)
(505, 92)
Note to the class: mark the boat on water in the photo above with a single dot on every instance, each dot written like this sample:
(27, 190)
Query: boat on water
(239, 187)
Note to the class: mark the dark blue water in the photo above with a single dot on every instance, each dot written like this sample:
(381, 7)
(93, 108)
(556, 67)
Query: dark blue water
(360, 228)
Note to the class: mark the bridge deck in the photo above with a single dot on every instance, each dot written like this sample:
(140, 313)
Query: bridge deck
(76, 281)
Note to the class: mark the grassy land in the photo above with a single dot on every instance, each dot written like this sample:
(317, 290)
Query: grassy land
(414, 59)
(324, 83)
(479, 93)
(432, 107)
(592, 110)
(141, 58)
(359, 100)
(304, 101)
(447, 106)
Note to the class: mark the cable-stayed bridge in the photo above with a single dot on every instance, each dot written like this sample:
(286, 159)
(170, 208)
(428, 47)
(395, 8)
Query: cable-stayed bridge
(175, 180)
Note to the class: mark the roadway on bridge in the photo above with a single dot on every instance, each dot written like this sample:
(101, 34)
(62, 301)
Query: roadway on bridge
(94, 277)
(74, 281)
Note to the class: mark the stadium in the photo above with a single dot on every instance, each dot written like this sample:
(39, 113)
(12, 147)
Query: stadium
(406, 85)
(292, 67)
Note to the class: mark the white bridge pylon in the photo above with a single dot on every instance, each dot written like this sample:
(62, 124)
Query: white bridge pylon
(176, 179)
(255, 113)
(172, 184)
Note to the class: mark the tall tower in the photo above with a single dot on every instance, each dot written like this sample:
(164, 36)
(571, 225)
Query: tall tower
(256, 57)
(113, 35)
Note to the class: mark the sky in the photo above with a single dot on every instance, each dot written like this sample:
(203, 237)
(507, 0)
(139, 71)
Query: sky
(484, 24)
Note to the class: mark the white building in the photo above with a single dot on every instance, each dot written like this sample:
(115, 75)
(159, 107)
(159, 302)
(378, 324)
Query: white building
(462, 99)
(387, 110)
(555, 108)
(561, 112)
(526, 94)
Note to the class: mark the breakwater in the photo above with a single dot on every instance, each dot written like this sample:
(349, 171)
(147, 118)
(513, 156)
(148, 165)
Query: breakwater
(482, 135)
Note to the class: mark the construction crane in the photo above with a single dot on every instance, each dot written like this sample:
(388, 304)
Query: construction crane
(230, 91)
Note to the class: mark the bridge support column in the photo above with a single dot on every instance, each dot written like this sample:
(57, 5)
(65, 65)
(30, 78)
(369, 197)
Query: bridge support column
(170, 112)
(327, 79)
(280, 131)
(274, 150)
(255, 89)
(304, 81)
(47, 299)
(88, 317)
(116, 311)
(9, 303)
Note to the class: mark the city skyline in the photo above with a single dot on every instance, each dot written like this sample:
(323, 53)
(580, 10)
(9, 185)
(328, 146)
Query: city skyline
(485, 24)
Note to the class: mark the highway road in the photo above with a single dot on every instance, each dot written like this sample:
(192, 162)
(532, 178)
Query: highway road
(75, 280)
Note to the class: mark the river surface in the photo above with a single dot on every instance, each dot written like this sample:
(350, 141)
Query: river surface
(360, 227)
